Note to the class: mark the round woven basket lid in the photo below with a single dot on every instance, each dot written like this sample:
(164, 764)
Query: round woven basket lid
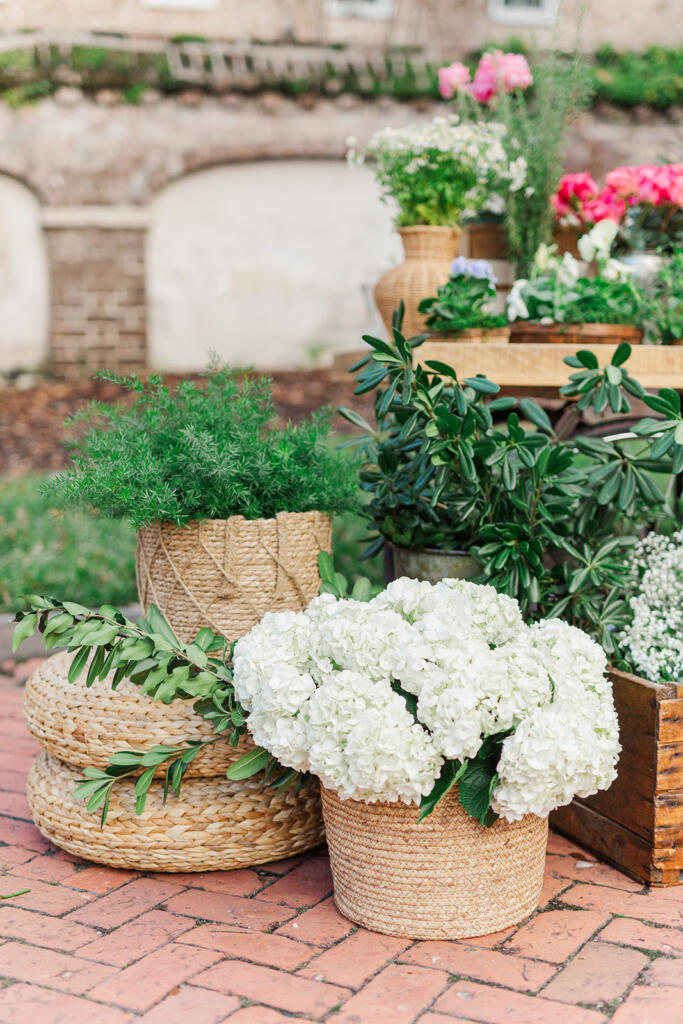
(213, 825)
(446, 877)
(84, 726)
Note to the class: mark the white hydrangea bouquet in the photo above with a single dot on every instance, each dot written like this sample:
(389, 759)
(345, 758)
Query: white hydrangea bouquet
(443, 172)
(426, 686)
(653, 642)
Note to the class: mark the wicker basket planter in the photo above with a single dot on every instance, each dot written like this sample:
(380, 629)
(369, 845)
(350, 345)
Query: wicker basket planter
(429, 252)
(444, 878)
(214, 824)
(637, 824)
(227, 573)
(485, 240)
(522, 332)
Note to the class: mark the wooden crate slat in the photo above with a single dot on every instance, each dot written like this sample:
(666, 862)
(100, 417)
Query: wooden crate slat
(529, 365)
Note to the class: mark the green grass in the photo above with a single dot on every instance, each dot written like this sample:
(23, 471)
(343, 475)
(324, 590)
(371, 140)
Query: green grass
(68, 554)
(72, 554)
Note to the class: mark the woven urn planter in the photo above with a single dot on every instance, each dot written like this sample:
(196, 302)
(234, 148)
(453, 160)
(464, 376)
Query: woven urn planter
(429, 252)
(444, 878)
(214, 824)
(523, 332)
(225, 574)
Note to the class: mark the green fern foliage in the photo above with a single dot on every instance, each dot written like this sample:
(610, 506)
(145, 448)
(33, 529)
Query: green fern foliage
(202, 450)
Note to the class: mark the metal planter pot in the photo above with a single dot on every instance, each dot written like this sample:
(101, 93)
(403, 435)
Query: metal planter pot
(430, 564)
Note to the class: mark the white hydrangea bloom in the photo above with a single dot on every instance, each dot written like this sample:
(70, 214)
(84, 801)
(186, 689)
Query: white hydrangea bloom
(654, 639)
(371, 697)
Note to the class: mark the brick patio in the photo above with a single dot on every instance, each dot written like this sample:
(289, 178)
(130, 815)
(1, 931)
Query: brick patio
(91, 945)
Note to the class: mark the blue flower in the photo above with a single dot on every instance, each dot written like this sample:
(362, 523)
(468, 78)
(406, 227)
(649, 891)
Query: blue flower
(462, 267)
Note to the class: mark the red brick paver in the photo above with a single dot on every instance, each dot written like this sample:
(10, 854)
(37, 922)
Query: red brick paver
(92, 945)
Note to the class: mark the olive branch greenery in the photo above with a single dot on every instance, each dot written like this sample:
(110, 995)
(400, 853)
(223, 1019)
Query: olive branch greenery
(149, 654)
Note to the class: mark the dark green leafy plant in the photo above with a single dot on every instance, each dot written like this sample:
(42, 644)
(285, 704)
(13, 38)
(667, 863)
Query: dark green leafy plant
(203, 452)
(460, 304)
(547, 519)
(585, 301)
(665, 308)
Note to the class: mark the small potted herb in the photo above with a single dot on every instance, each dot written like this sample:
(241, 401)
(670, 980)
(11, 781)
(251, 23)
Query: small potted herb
(557, 304)
(438, 175)
(231, 510)
(461, 308)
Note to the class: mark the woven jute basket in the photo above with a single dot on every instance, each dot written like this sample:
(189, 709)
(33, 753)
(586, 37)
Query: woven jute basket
(213, 825)
(84, 725)
(227, 573)
(429, 252)
(574, 334)
(444, 878)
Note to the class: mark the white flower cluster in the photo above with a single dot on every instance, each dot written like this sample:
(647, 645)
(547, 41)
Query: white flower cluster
(372, 697)
(655, 637)
(447, 147)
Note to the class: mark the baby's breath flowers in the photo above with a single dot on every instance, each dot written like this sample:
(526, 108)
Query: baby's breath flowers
(443, 172)
(654, 640)
(376, 697)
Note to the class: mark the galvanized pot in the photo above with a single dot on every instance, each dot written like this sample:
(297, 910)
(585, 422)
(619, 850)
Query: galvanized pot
(430, 564)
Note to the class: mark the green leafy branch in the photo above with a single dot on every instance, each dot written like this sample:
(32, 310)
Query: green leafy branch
(595, 388)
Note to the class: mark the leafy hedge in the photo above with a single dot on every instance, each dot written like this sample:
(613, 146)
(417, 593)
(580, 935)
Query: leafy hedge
(654, 77)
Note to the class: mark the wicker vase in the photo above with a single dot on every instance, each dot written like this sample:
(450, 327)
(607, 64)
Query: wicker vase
(227, 573)
(214, 824)
(444, 878)
(429, 252)
(523, 332)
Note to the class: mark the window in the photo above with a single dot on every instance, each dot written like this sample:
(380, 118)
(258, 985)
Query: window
(181, 5)
(523, 12)
(359, 8)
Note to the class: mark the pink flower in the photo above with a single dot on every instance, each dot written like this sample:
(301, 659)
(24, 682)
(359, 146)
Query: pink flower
(624, 180)
(453, 78)
(606, 205)
(573, 190)
(500, 72)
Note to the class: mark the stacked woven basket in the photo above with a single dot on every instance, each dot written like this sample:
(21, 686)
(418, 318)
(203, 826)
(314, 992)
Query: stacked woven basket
(225, 574)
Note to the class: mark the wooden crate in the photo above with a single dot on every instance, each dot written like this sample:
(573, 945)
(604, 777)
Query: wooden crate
(530, 365)
(637, 824)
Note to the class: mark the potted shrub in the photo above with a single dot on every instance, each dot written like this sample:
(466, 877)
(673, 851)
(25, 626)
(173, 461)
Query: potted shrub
(461, 308)
(550, 521)
(232, 514)
(437, 697)
(545, 517)
(438, 174)
(231, 510)
(558, 305)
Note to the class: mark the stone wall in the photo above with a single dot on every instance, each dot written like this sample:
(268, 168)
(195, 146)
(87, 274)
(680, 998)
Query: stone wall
(98, 309)
(101, 171)
(443, 26)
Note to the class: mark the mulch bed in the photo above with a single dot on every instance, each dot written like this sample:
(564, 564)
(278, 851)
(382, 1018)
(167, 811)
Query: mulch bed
(32, 419)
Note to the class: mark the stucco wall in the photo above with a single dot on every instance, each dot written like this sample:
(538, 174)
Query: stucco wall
(264, 263)
(440, 25)
(23, 280)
